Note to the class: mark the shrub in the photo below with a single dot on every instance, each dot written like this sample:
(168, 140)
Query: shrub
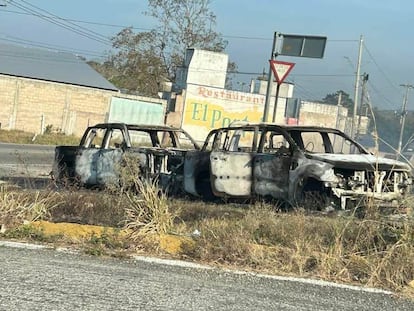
(17, 207)
(148, 211)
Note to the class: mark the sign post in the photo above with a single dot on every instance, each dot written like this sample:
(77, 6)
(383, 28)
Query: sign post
(280, 71)
(289, 45)
(269, 78)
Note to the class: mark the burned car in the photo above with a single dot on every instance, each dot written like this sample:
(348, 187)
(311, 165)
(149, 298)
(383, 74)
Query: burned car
(293, 164)
(158, 150)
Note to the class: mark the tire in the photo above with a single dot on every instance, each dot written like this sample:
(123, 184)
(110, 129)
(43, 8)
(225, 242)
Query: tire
(310, 195)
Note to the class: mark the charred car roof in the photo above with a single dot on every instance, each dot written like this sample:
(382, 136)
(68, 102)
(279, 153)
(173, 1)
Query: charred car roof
(291, 129)
(137, 126)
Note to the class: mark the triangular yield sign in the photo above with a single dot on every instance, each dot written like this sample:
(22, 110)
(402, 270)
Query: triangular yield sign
(280, 69)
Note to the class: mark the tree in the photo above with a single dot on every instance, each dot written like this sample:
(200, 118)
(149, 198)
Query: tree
(139, 68)
(346, 101)
(107, 69)
(144, 60)
(183, 24)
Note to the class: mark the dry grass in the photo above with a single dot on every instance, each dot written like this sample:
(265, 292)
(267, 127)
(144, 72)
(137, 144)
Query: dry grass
(90, 208)
(18, 207)
(49, 138)
(146, 209)
(369, 252)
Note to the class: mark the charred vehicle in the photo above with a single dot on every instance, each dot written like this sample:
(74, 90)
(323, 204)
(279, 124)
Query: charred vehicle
(158, 150)
(293, 164)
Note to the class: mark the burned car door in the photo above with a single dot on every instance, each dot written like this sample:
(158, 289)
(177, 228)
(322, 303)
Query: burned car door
(252, 161)
(87, 155)
(109, 159)
(231, 164)
(176, 144)
(272, 164)
(159, 152)
(197, 167)
(97, 165)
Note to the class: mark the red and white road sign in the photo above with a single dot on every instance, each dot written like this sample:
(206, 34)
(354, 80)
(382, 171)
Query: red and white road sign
(280, 69)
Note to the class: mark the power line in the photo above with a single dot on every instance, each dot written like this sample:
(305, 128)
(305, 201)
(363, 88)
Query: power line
(78, 21)
(321, 75)
(69, 22)
(380, 94)
(52, 19)
(293, 75)
(149, 29)
(41, 58)
(308, 93)
(51, 46)
(380, 69)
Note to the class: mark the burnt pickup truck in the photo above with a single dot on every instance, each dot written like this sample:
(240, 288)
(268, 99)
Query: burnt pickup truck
(159, 151)
(294, 164)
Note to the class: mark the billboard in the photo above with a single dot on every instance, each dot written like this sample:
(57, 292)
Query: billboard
(207, 108)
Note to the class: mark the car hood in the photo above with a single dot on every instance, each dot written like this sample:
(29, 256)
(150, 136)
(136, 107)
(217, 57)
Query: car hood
(360, 161)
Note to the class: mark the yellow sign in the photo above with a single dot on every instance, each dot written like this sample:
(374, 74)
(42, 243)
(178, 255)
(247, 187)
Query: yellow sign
(207, 108)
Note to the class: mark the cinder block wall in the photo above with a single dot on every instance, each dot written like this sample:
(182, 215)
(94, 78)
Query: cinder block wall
(318, 114)
(30, 105)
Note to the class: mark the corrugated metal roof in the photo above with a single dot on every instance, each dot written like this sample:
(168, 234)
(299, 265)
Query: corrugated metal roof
(49, 66)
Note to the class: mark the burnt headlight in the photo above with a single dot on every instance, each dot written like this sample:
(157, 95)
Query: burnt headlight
(339, 183)
(354, 182)
(403, 186)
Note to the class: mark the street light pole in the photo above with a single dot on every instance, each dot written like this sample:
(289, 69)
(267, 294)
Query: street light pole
(403, 115)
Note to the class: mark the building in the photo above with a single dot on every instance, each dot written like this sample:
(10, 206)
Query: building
(40, 88)
(319, 114)
(201, 102)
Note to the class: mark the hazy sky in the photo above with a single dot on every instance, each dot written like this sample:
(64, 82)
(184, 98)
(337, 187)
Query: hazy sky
(249, 26)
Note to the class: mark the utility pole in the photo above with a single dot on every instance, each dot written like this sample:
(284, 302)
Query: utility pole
(363, 104)
(354, 114)
(365, 77)
(402, 117)
(338, 106)
(337, 121)
(270, 78)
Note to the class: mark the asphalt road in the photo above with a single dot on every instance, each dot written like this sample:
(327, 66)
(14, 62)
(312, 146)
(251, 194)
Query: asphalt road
(17, 153)
(44, 279)
(26, 164)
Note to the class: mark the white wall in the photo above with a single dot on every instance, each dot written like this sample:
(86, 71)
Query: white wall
(203, 68)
